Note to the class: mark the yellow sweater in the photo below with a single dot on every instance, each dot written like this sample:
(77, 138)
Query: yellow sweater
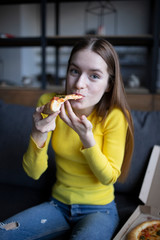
(84, 176)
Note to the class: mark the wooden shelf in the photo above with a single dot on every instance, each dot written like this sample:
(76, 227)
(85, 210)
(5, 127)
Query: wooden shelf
(139, 90)
(143, 40)
(30, 96)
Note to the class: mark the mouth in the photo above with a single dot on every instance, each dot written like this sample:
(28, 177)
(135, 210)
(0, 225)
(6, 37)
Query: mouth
(79, 94)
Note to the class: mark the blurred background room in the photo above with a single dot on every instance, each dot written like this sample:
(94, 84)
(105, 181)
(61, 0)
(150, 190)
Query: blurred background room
(36, 38)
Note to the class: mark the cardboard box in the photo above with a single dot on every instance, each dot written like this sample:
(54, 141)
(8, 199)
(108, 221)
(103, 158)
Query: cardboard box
(149, 195)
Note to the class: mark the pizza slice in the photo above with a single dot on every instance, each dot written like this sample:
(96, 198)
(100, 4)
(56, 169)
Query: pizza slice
(55, 103)
(149, 230)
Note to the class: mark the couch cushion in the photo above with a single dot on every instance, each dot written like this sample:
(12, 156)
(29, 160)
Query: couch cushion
(15, 128)
(17, 198)
(126, 204)
(147, 129)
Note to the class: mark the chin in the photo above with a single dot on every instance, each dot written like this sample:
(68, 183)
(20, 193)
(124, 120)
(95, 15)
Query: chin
(75, 106)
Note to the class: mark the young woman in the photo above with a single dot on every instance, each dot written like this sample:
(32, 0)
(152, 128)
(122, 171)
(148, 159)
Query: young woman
(92, 138)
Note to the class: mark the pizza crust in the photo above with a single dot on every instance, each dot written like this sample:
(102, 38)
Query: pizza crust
(134, 233)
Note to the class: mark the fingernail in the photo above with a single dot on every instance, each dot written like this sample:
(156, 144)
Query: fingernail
(38, 109)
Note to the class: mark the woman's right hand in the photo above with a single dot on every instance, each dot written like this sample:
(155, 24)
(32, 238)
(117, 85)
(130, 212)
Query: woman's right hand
(41, 126)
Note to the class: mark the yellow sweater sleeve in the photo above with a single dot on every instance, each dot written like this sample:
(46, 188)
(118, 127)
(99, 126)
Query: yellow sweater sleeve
(35, 160)
(106, 163)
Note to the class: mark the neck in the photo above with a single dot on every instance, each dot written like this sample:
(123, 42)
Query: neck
(81, 112)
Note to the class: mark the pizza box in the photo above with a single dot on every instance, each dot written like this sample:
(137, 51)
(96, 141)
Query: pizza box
(149, 195)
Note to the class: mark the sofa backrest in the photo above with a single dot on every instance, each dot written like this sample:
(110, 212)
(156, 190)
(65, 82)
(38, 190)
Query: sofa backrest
(147, 134)
(15, 128)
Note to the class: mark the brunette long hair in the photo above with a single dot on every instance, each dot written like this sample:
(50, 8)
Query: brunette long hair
(116, 96)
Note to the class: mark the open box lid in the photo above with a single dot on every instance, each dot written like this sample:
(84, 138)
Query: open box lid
(150, 193)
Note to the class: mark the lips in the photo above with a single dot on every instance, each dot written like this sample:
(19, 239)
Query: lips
(79, 94)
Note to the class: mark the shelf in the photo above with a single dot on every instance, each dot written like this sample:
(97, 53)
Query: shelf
(139, 90)
(57, 41)
(150, 41)
(60, 89)
(115, 40)
(20, 42)
(29, 97)
(5, 2)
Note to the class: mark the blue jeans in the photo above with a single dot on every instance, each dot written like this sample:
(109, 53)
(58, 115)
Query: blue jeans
(52, 219)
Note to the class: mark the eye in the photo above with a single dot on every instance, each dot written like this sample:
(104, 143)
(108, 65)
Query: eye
(73, 71)
(95, 76)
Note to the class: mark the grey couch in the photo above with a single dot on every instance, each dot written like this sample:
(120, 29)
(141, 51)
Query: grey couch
(18, 191)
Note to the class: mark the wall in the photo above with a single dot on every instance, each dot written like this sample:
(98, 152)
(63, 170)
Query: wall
(10, 59)
(24, 20)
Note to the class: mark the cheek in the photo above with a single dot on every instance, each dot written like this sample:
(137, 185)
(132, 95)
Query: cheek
(100, 88)
(70, 81)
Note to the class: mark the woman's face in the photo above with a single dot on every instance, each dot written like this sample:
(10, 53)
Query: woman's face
(87, 75)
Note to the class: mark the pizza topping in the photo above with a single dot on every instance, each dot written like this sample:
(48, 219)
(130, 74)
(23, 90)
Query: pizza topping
(63, 98)
(158, 232)
(150, 232)
(142, 238)
(58, 97)
(55, 98)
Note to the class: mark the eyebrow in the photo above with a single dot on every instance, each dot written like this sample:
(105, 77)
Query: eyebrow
(93, 70)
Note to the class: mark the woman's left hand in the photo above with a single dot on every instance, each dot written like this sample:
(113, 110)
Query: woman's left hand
(81, 125)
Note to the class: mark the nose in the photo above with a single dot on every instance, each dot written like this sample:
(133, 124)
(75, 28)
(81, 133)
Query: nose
(81, 81)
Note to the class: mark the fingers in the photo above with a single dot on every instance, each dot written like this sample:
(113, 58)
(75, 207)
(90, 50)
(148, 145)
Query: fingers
(37, 115)
(52, 116)
(40, 109)
(44, 124)
(70, 117)
(70, 112)
(64, 116)
(63, 113)
(86, 122)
